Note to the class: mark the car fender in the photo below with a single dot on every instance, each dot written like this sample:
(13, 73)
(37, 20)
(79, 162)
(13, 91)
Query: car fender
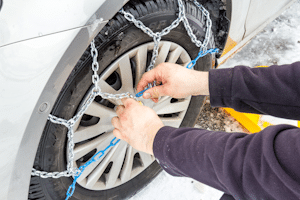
(32, 72)
(247, 19)
(24, 20)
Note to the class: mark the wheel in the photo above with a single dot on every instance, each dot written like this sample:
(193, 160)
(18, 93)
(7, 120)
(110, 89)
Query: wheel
(124, 53)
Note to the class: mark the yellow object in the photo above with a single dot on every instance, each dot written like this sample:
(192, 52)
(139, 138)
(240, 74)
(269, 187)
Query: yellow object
(262, 66)
(249, 121)
(141, 103)
(230, 44)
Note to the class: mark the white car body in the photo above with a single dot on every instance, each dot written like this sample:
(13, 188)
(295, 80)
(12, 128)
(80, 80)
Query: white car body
(40, 43)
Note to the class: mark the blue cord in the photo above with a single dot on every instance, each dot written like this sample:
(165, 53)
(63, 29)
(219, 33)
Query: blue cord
(141, 92)
(71, 188)
(200, 55)
(98, 155)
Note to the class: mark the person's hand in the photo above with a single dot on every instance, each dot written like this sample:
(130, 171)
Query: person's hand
(177, 82)
(137, 125)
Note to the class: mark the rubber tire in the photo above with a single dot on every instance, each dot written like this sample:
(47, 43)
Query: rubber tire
(116, 38)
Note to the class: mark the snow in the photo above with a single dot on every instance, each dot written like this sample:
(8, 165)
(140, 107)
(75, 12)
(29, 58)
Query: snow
(278, 43)
(176, 188)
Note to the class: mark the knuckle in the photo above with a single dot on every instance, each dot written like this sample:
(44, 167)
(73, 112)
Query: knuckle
(128, 104)
(119, 110)
(113, 120)
(122, 117)
(115, 133)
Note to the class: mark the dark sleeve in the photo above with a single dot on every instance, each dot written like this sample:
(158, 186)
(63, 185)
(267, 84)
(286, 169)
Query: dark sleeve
(264, 165)
(273, 90)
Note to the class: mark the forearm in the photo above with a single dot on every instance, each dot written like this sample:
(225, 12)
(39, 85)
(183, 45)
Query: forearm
(274, 90)
(236, 163)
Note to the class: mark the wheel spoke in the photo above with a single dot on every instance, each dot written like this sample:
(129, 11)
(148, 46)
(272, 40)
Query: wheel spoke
(163, 101)
(127, 168)
(163, 53)
(93, 165)
(167, 107)
(175, 54)
(141, 61)
(185, 64)
(85, 133)
(147, 159)
(105, 87)
(126, 74)
(98, 171)
(117, 159)
(76, 125)
(171, 121)
(100, 143)
(98, 110)
(185, 58)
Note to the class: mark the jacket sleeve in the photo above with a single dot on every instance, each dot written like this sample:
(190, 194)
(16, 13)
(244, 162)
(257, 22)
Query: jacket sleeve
(273, 90)
(264, 165)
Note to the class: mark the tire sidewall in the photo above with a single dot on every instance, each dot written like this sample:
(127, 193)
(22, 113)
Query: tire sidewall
(51, 155)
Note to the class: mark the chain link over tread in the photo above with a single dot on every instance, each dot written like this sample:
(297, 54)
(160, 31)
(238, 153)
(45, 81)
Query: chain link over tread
(95, 79)
(117, 24)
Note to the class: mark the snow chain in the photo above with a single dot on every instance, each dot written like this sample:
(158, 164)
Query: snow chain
(96, 90)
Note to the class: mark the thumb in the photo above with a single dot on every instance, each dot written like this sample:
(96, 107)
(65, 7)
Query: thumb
(155, 92)
(128, 102)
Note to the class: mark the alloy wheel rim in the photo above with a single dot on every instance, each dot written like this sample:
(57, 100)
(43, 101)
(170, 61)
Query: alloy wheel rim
(93, 132)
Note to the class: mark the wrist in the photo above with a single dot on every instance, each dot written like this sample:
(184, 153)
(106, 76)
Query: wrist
(201, 85)
(150, 143)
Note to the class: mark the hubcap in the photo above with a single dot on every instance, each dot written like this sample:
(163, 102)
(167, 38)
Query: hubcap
(93, 132)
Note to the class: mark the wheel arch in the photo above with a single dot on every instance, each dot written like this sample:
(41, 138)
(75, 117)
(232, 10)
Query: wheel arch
(19, 181)
(220, 14)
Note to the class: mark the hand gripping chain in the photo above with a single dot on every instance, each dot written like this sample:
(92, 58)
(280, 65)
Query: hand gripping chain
(96, 90)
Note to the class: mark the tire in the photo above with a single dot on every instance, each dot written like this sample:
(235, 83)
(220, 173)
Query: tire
(116, 39)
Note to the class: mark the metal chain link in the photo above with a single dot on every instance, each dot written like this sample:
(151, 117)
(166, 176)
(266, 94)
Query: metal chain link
(198, 43)
(95, 65)
(156, 36)
(96, 90)
(43, 174)
(95, 158)
(181, 17)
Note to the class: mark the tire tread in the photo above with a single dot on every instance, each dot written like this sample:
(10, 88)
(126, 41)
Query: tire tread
(140, 9)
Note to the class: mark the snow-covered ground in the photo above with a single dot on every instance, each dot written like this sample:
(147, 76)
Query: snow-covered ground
(278, 43)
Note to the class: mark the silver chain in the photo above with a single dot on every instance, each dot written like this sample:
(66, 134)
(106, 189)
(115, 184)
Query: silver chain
(198, 43)
(96, 90)
(181, 17)
(71, 122)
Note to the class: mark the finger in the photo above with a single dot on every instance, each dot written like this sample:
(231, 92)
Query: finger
(155, 100)
(120, 110)
(117, 134)
(155, 92)
(115, 121)
(128, 102)
(148, 77)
